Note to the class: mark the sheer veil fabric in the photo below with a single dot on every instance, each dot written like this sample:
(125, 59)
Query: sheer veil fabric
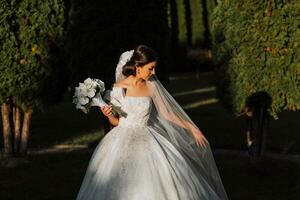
(175, 125)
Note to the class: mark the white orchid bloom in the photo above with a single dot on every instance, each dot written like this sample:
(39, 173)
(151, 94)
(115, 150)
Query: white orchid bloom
(83, 100)
(78, 92)
(90, 92)
(100, 84)
(88, 83)
(81, 86)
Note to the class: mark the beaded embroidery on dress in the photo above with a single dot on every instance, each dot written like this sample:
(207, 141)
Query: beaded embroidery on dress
(135, 162)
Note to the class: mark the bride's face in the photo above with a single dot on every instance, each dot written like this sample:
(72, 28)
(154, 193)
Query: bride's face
(146, 71)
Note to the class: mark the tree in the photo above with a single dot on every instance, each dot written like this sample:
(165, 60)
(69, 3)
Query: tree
(32, 75)
(190, 30)
(179, 20)
(256, 48)
(197, 22)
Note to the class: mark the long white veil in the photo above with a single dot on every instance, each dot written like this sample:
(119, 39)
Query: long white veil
(175, 125)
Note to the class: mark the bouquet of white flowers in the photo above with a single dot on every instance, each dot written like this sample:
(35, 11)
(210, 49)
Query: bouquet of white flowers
(88, 94)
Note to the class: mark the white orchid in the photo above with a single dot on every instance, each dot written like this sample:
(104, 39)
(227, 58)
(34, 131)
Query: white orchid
(88, 94)
(79, 91)
(100, 84)
(89, 83)
(83, 100)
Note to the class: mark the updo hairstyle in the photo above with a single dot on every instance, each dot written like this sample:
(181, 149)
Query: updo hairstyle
(141, 56)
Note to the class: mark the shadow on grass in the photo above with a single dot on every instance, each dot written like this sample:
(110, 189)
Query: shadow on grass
(46, 177)
(63, 124)
(280, 180)
(59, 176)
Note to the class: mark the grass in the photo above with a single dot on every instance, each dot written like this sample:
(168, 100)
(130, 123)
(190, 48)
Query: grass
(63, 124)
(279, 181)
(47, 177)
(59, 176)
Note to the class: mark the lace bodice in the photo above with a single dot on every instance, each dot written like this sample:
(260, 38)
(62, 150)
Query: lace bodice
(135, 111)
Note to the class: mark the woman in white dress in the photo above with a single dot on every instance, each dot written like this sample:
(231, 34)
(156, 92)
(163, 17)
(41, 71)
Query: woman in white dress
(154, 151)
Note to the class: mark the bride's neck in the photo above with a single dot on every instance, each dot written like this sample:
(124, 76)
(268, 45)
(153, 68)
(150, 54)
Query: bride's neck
(136, 81)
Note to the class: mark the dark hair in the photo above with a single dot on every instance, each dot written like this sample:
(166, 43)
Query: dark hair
(141, 56)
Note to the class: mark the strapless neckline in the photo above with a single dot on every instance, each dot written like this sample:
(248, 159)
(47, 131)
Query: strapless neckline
(137, 97)
(124, 95)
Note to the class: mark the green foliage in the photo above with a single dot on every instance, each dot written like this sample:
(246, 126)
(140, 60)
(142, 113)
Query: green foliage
(189, 23)
(31, 32)
(257, 49)
(211, 5)
(197, 25)
(101, 30)
(182, 23)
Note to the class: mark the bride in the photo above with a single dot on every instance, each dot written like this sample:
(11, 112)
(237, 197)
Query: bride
(154, 151)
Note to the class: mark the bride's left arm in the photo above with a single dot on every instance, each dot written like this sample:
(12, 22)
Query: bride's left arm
(195, 131)
(161, 102)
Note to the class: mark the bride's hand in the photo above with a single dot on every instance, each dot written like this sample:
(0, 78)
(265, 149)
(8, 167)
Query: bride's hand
(106, 110)
(201, 141)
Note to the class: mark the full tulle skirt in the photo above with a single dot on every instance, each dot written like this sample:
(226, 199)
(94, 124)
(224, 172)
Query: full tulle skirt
(139, 163)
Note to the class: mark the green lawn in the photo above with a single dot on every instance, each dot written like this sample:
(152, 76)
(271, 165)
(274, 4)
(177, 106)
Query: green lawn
(63, 124)
(59, 176)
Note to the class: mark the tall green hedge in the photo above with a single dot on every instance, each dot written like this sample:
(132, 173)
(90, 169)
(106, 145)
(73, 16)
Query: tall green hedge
(197, 23)
(31, 34)
(33, 74)
(189, 23)
(182, 22)
(257, 48)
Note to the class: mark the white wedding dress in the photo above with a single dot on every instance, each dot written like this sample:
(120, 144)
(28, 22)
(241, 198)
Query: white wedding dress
(134, 162)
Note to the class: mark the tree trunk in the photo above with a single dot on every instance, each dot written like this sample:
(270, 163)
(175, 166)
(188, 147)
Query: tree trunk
(258, 123)
(188, 21)
(25, 131)
(17, 129)
(258, 127)
(7, 134)
(206, 42)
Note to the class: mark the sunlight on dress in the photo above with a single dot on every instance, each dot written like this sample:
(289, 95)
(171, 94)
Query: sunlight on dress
(135, 162)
